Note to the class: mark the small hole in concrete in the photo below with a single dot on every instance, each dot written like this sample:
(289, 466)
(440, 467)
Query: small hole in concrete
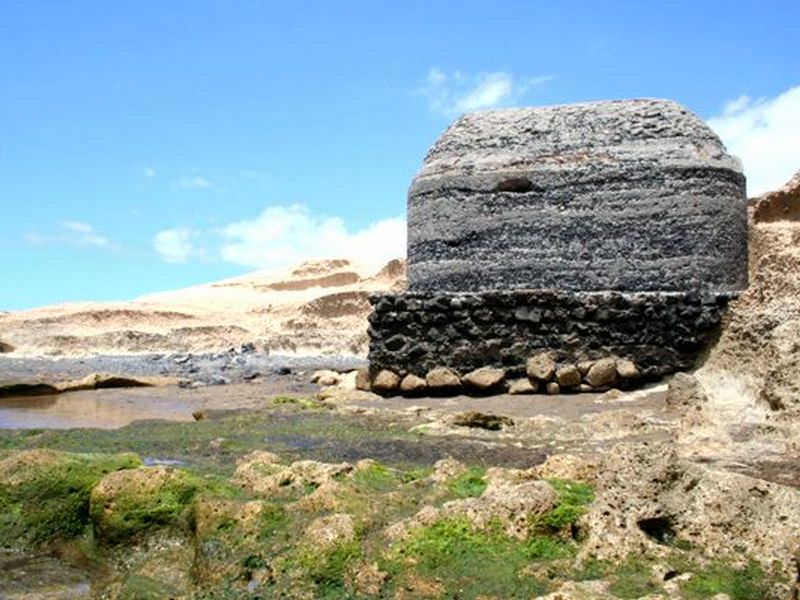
(515, 184)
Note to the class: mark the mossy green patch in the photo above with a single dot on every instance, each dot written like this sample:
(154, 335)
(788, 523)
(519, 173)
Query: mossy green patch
(750, 582)
(328, 567)
(474, 562)
(469, 484)
(45, 495)
(632, 579)
(377, 477)
(140, 587)
(573, 500)
(125, 505)
(301, 403)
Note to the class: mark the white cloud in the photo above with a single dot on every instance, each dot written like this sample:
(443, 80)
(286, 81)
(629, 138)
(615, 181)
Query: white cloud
(82, 234)
(765, 135)
(192, 182)
(285, 235)
(149, 172)
(174, 245)
(491, 91)
(456, 93)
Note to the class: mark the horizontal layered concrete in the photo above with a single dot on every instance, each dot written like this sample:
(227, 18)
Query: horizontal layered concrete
(635, 195)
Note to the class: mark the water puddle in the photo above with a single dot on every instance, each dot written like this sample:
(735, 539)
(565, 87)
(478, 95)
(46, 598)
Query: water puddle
(101, 409)
(28, 577)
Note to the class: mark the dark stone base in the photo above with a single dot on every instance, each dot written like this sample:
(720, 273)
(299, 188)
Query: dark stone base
(415, 332)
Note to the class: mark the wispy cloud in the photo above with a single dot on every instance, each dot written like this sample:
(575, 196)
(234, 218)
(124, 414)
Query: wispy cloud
(75, 233)
(174, 245)
(192, 182)
(765, 135)
(285, 235)
(149, 172)
(82, 234)
(456, 93)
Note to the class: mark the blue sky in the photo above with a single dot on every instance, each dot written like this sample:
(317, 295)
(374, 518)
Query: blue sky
(149, 145)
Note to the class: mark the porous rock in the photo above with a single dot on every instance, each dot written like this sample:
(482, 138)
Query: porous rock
(541, 367)
(584, 366)
(568, 466)
(603, 373)
(684, 391)
(515, 504)
(593, 184)
(522, 386)
(482, 420)
(568, 376)
(442, 379)
(261, 472)
(484, 379)
(627, 369)
(362, 380)
(330, 530)
(325, 377)
(648, 498)
(411, 384)
(780, 205)
(385, 381)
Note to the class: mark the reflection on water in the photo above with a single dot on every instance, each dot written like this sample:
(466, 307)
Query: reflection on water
(103, 409)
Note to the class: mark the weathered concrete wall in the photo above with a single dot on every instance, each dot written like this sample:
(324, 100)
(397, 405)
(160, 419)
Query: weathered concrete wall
(627, 195)
(661, 333)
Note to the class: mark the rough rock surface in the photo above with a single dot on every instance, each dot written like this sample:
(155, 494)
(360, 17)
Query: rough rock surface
(442, 379)
(261, 473)
(780, 205)
(758, 355)
(625, 195)
(540, 367)
(603, 373)
(650, 499)
(385, 381)
(484, 379)
(660, 333)
(515, 502)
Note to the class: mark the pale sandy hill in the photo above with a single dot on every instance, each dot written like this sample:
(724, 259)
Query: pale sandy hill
(319, 307)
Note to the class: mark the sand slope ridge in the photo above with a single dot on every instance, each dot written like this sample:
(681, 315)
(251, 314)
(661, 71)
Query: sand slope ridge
(318, 307)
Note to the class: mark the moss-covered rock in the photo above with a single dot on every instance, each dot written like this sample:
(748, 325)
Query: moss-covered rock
(127, 503)
(45, 494)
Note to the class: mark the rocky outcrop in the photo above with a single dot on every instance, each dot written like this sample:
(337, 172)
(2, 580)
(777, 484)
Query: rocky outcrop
(626, 195)
(757, 353)
(780, 205)
(650, 501)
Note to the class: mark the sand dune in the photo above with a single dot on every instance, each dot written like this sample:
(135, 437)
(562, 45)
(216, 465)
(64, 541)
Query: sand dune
(318, 307)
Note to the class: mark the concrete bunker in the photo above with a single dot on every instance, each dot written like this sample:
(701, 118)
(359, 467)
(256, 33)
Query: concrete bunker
(607, 235)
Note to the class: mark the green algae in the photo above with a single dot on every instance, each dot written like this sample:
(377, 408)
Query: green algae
(44, 495)
(474, 562)
(145, 499)
(574, 499)
(469, 484)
